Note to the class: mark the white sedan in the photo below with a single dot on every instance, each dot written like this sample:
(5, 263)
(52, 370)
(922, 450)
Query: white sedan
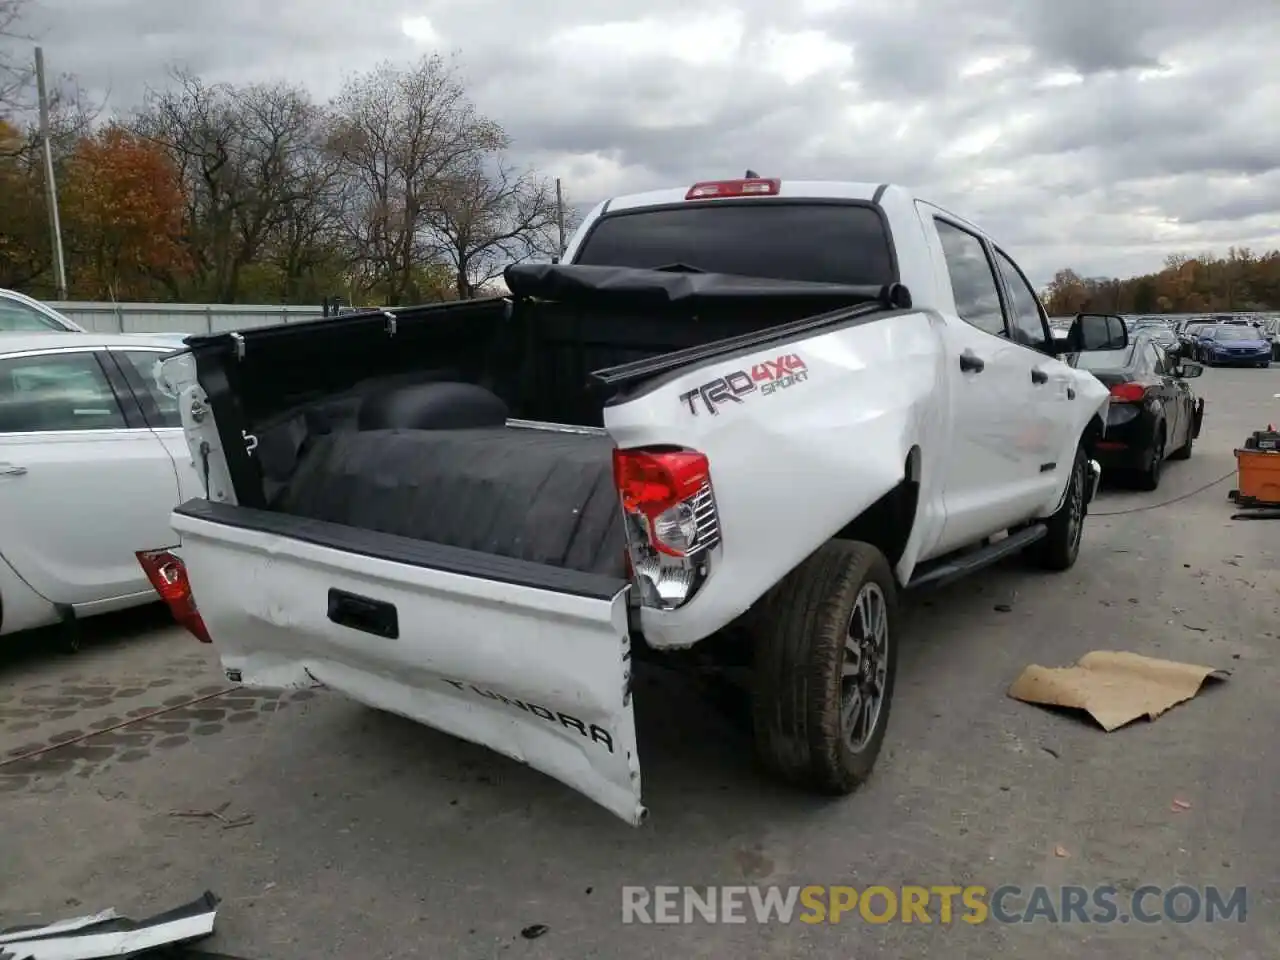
(22, 314)
(92, 462)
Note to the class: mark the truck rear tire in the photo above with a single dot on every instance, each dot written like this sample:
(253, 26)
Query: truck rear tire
(826, 655)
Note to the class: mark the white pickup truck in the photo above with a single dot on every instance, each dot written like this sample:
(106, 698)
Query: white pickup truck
(750, 410)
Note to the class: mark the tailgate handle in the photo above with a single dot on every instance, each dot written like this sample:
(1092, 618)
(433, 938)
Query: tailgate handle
(364, 614)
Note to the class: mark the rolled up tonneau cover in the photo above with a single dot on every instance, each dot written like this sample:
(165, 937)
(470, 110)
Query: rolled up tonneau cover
(656, 288)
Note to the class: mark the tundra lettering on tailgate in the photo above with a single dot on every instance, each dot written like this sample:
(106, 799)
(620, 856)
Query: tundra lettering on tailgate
(588, 730)
(765, 378)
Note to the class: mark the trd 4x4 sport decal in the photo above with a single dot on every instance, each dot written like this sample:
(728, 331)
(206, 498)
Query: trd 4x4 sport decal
(764, 378)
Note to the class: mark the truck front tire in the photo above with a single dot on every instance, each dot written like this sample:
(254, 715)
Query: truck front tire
(1057, 550)
(826, 655)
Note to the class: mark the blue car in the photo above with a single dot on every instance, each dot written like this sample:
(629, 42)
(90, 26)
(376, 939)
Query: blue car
(1226, 343)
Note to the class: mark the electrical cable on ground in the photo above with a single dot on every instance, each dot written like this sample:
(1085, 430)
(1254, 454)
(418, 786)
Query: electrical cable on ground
(115, 726)
(1157, 506)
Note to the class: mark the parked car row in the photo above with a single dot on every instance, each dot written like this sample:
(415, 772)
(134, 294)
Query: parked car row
(1227, 342)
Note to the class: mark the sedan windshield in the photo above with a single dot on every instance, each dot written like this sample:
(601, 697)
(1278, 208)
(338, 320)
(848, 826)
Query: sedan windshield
(17, 317)
(1237, 333)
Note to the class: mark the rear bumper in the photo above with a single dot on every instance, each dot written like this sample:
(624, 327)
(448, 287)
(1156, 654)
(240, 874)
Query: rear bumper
(1126, 443)
(531, 661)
(1126, 458)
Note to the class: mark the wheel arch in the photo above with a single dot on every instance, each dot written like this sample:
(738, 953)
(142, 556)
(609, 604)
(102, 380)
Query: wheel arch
(887, 523)
(1093, 431)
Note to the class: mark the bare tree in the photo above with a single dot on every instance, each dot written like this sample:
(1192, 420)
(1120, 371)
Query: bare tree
(303, 244)
(399, 134)
(486, 216)
(17, 64)
(245, 155)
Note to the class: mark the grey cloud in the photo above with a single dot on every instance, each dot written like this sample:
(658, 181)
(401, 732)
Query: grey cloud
(1109, 35)
(1196, 200)
(125, 46)
(1075, 176)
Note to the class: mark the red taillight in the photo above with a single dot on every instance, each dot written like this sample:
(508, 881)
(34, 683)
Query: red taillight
(752, 187)
(651, 482)
(1128, 393)
(660, 488)
(168, 574)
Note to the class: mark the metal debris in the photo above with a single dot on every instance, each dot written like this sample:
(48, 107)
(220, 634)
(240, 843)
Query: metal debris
(107, 934)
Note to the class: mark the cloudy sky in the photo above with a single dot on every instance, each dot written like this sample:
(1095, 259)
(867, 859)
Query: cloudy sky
(1100, 134)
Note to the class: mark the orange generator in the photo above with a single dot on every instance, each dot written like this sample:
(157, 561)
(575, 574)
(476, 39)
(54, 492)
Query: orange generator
(1258, 470)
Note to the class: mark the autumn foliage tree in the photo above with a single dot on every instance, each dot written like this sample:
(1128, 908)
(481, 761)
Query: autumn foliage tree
(24, 249)
(1240, 281)
(123, 203)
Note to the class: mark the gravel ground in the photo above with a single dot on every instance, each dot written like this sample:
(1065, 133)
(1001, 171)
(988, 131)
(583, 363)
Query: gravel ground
(346, 831)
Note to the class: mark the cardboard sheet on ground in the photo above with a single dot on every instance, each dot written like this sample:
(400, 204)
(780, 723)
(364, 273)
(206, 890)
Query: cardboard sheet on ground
(1114, 687)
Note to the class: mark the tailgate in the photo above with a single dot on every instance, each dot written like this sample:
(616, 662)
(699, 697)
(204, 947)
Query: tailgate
(531, 661)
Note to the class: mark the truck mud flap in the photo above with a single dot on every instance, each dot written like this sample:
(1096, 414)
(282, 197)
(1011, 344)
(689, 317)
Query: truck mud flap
(530, 661)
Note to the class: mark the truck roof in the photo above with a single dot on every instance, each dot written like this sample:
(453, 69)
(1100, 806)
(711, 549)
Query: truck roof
(815, 189)
(866, 191)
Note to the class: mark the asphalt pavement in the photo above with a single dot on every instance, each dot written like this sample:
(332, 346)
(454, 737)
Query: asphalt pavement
(329, 829)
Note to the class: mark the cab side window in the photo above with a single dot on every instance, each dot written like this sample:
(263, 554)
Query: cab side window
(1026, 317)
(973, 283)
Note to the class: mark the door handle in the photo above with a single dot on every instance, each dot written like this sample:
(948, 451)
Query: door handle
(11, 470)
(970, 362)
(1038, 375)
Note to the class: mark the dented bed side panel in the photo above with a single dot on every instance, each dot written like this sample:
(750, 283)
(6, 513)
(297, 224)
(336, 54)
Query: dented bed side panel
(801, 439)
(540, 675)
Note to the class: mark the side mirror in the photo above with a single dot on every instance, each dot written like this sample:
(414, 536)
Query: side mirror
(1097, 331)
(1189, 371)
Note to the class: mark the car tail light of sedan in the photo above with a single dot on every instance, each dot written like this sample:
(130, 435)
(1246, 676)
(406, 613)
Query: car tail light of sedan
(168, 574)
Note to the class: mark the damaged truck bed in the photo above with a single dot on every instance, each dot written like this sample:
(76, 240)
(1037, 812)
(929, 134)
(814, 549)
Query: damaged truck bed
(468, 513)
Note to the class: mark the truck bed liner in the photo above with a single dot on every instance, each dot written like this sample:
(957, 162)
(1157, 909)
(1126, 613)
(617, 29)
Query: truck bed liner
(542, 496)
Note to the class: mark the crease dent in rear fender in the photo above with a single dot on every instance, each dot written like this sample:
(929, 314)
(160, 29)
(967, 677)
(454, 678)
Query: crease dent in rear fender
(793, 462)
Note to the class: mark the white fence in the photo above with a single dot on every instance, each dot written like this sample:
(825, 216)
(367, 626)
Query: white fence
(221, 317)
(178, 317)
